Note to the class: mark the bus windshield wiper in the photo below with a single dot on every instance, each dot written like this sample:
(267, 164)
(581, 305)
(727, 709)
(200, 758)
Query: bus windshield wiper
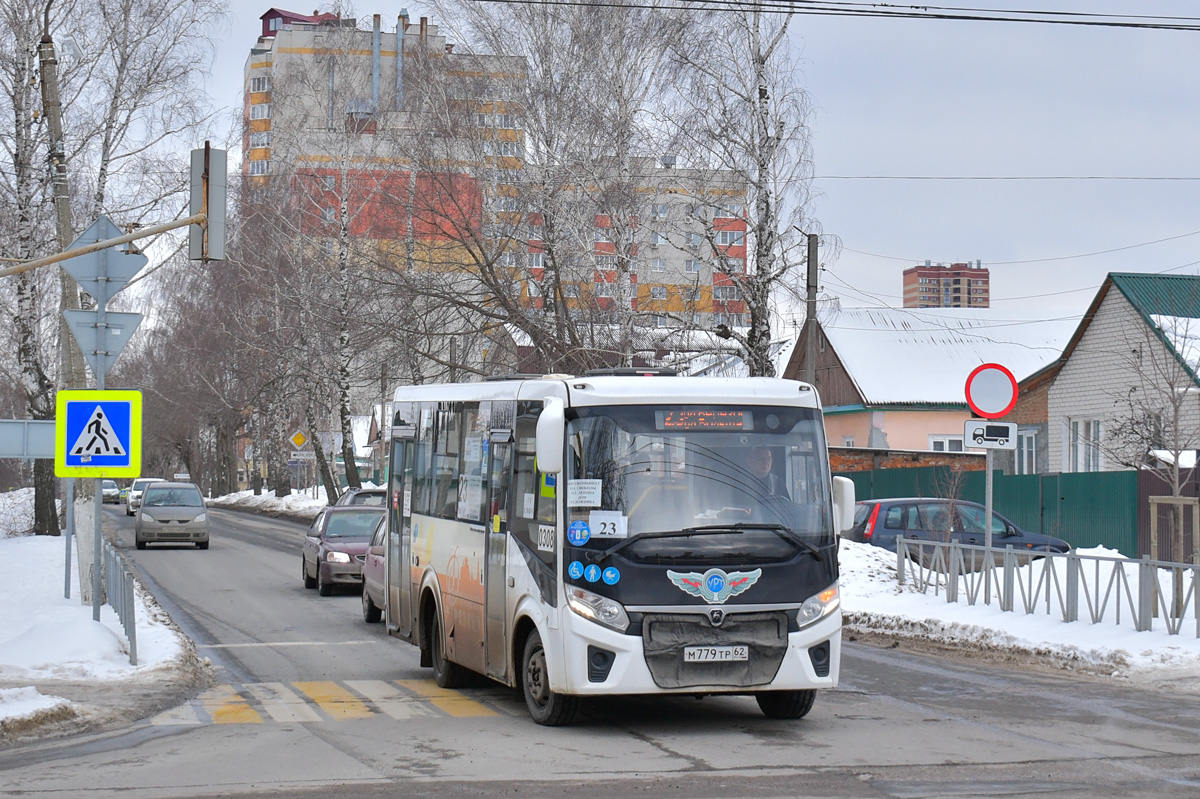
(781, 530)
(595, 555)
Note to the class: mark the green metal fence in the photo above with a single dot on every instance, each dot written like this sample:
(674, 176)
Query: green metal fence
(1087, 509)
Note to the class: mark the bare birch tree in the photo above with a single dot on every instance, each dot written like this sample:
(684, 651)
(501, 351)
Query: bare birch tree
(741, 110)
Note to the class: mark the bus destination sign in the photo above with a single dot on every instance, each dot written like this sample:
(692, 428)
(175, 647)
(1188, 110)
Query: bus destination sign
(703, 420)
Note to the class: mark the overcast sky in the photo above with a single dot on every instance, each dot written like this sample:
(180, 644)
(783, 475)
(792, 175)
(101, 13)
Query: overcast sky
(930, 98)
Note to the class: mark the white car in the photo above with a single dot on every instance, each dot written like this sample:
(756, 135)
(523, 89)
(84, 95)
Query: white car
(134, 497)
(111, 491)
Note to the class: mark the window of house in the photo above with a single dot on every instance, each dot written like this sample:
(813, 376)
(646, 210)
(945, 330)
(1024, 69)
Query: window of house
(729, 319)
(656, 238)
(691, 294)
(537, 260)
(729, 237)
(327, 214)
(847, 441)
(570, 290)
(260, 167)
(658, 211)
(729, 211)
(328, 182)
(261, 138)
(693, 239)
(1027, 452)
(726, 293)
(1083, 445)
(691, 265)
(606, 262)
(658, 292)
(260, 111)
(603, 234)
(660, 320)
(735, 264)
(656, 265)
(262, 84)
(946, 443)
(275, 23)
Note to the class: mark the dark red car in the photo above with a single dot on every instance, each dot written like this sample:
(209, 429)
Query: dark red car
(335, 546)
(374, 575)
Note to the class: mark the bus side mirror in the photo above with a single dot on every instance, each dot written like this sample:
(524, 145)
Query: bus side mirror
(551, 427)
(843, 503)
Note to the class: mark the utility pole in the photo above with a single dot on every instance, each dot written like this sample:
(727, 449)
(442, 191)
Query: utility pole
(810, 313)
(72, 358)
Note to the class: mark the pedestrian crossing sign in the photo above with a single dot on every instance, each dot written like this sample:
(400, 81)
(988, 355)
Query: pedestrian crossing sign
(99, 434)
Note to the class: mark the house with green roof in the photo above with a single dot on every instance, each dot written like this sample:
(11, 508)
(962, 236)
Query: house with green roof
(1125, 388)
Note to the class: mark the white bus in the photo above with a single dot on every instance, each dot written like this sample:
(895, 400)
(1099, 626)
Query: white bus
(618, 534)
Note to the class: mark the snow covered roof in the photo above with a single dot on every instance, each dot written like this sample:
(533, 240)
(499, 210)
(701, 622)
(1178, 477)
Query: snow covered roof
(924, 355)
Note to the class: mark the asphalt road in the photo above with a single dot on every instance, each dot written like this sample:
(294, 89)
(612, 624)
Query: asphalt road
(312, 701)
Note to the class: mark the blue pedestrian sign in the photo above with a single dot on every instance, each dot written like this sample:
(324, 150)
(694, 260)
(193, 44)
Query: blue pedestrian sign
(98, 434)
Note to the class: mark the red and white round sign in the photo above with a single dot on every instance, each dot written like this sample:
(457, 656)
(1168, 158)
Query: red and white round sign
(991, 391)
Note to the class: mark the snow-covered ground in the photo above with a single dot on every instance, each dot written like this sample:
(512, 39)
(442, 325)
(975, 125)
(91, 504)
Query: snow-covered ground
(44, 637)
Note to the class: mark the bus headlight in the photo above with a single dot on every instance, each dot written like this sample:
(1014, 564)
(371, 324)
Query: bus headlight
(818, 606)
(597, 608)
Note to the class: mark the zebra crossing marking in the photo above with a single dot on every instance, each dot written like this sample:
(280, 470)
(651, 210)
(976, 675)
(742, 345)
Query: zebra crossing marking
(316, 701)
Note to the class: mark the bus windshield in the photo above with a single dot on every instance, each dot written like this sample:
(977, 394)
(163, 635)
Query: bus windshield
(753, 479)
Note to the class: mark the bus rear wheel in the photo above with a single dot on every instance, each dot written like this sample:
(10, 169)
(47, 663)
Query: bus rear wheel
(545, 706)
(445, 673)
(786, 704)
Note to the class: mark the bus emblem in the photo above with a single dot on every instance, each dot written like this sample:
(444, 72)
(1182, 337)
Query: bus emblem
(714, 586)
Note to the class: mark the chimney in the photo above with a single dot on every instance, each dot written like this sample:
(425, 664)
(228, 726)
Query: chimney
(376, 35)
(403, 20)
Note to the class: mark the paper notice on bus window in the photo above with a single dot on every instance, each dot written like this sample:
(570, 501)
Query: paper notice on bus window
(584, 493)
(608, 524)
(545, 538)
(527, 509)
(407, 502)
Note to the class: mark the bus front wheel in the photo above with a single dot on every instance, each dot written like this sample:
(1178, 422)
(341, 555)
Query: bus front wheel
(545, 706)
(786, 704)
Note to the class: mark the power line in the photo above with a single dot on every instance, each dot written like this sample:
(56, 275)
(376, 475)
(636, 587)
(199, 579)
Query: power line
(892, 11)
(1008, 177)
(917, 261)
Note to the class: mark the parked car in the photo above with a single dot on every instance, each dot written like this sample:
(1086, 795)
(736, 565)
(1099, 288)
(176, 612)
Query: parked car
(135, 493)
(374, 574)
(111, 491)
(363, 496)
(882, 521)
(171, 513)
(335, 547)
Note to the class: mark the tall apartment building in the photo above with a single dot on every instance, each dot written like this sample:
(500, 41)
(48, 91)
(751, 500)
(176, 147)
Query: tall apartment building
(962, 285)
(321, 94)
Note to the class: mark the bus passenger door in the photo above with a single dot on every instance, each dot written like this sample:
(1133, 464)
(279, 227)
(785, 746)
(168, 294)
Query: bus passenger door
(399, 540)
(495, 588)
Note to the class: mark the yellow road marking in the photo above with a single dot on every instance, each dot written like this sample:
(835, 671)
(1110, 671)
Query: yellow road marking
(446, 700)
(227, 706)
(335, 700)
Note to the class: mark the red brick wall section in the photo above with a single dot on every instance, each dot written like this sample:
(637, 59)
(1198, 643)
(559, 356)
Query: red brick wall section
(1032, 407)
(861, 459)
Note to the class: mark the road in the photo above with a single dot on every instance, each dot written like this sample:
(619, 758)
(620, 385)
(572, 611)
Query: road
(311, 697)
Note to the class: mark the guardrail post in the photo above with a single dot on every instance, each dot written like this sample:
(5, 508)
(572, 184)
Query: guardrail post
(952, 573)
(1008, 582)
(1071, 610)
(901, 556)
(1146, 595)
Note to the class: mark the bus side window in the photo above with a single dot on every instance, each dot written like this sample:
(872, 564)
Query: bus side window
(534, 494)
(445, 464)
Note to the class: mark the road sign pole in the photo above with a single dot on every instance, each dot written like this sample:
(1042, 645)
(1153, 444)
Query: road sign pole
(69, 495)
(98, 528)
(987, 526)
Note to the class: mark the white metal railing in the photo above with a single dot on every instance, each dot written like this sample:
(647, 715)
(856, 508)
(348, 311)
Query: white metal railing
(1111, 589)
(119, 594)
